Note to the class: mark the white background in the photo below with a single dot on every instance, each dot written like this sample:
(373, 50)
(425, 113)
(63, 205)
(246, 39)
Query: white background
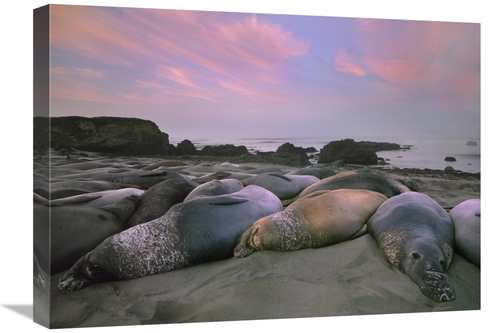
(16, 282)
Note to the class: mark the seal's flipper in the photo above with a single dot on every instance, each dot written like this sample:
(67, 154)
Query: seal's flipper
(226, 201)
(279, 175)
(76, 200)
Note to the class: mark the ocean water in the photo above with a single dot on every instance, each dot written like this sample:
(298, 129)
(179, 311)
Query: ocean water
(422, 152)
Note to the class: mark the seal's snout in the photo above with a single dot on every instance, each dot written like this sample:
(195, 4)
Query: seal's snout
(242, 251)
(438, 287)
(69, 283)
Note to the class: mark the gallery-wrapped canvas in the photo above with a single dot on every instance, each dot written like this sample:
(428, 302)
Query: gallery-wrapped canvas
(197, 166)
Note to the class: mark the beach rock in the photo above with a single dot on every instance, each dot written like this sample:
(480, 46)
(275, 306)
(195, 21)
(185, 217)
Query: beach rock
(286, 154)
(449, 169)
(112, 135)
(224, 150)
(186, 147)
(471, 143)
(349, 151)
(450, 159)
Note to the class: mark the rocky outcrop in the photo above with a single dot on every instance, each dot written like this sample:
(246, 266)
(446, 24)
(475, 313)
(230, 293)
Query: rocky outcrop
(286, 154)
(471, 143)
(224, 150)
(111, 135)
(351, 152)
(450, 159)
(186, 147)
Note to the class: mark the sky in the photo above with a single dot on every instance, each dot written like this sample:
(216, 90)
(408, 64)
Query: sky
(210, 73)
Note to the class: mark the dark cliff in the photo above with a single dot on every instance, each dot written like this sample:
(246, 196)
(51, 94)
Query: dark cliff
(112, 135)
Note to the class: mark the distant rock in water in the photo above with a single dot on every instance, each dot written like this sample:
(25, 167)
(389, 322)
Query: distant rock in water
(450, 159)
(471, 143)
(112, 135)
(351, 152)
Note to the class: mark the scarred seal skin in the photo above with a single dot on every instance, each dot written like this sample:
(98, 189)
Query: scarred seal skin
(321, 219)
(199, 230)
(416, 235)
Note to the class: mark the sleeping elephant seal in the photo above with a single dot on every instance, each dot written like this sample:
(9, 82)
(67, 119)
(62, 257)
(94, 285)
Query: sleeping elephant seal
(63, 234)
(321, 219)
(466, 217)
(320, 172)
(284, 186)
(417, 235)
(216, 187)
(97, 199)
(157, 200)
(200, 230)
(365, 178)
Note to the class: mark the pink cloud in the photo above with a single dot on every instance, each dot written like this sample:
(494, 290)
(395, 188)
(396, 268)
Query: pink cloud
(434, 59)
(178, 75)
(213, 45)
(166, 91)
(345, 63)
(93, 33)
(83, 72)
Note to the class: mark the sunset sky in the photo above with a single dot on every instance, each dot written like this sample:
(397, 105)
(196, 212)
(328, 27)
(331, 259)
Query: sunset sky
(202, 73)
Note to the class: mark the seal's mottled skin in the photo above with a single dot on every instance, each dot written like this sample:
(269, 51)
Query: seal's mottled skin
(417, 236)
(320, 219)
(200, 230)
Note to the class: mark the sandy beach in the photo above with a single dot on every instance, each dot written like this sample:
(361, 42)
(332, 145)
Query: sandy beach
(349, 278)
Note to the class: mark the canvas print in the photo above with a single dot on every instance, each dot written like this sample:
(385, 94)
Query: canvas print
(203, 166)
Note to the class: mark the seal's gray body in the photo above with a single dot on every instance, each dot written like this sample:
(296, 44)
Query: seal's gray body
(284, 186)
(417, 236)
(157, 200)
(200, 230)
(63, 234)
(215, 187)
(466, 217)
(365, 178)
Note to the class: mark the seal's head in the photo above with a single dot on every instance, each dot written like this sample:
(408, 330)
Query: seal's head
(256, 238)
(425, 263)
(89, 269)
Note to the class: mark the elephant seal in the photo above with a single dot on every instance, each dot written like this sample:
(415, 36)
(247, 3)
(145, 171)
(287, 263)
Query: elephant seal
(215, 187)
(466, 217)
(320, 172)
(97, 199)
(416, 235)
(62, 189)
(200, 230)
(63, 234)
(159, 199)
(365, 178)
(284, 186)
(320, 219)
